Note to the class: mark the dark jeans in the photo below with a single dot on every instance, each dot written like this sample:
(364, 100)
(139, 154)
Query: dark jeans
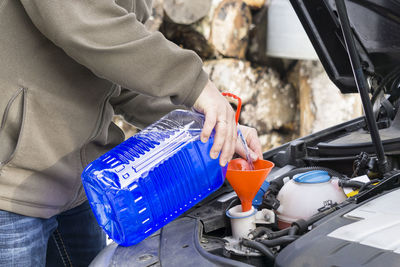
(72, 238)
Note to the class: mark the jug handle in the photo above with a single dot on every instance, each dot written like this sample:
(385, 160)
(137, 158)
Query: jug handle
(239, 105)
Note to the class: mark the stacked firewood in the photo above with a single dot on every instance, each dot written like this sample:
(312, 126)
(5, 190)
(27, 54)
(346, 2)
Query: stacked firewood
(230, 37)
(212, 28)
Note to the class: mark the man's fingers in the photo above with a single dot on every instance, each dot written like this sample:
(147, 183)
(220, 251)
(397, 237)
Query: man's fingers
(229, 144)
(240, 150)
(254, 143)
(234, 139)
(220, 134)
(253, 155)
(209, 124)
(219, 115)
(225, 154)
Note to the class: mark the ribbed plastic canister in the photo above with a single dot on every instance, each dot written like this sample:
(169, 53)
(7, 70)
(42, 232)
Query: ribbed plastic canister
(152, 178)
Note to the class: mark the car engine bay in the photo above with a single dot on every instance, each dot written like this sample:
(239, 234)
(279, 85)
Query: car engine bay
(331, 198)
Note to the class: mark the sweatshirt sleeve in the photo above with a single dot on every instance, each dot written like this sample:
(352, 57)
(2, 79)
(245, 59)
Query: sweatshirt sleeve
(142, 110)
(111, 41)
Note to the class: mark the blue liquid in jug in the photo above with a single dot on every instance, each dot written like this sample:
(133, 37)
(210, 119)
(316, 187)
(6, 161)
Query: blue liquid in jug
(152, 178)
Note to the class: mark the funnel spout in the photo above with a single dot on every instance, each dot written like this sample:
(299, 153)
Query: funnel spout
(246, 205)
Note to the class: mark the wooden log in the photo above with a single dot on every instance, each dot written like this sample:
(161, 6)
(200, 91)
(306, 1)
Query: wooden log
(257, 51)
(274, 106)
(256, 4)
(270, 140)
(268, 103)
(321, 103)
(203, 26)
(154, 22)
(188, 37)
(306, 105)
(276, 138)
(230, 27)
(195, 36)
(234, 76)
(186, 11)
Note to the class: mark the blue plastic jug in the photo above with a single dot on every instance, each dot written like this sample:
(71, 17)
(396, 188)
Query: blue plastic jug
(152, 178)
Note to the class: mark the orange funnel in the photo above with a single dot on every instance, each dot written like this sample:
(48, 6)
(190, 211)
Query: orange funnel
(246, 182)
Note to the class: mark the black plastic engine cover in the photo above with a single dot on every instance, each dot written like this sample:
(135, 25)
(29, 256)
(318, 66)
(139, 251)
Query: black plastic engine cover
(316, 248)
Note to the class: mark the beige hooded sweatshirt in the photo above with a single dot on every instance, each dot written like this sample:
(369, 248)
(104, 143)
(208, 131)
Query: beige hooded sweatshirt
(63, 64)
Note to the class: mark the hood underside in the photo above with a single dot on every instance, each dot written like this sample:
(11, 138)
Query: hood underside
(376, 28)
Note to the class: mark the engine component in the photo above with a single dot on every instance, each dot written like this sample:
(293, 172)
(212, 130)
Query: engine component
(260, 247)
(355, 185)
(360, 164)
(270, 201)
(305, 194)
(244, 223)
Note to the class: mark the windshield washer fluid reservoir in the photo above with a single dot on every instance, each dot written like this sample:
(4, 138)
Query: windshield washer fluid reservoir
(302, 196)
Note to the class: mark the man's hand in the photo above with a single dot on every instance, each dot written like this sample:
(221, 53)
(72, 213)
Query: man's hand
(219, 114)
(251, 137)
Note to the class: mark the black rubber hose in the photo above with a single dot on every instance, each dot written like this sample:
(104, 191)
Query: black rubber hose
(235, 201)
(277, 234)
(288, 235)
(350, 183)
(293, 230)
(357, 184)
(320, 215)
(259, 231)
(260, 247)
(281, 241)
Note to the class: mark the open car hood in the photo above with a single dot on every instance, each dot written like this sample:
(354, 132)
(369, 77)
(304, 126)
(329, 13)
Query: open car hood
(376, 27)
